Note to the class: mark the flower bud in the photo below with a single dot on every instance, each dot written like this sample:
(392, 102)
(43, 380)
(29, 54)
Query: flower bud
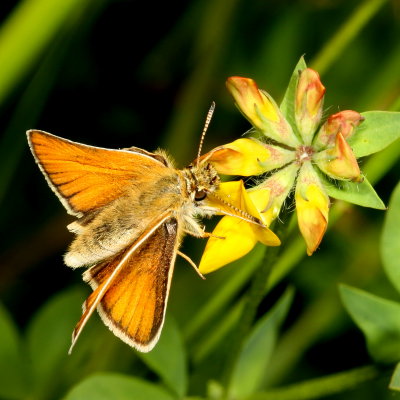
(312, 205)
(344, 122)
(308, 104)
(247, 157)
(339, 162)
(261, 110)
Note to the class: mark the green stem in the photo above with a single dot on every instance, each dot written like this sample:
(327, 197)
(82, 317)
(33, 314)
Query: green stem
(325, 386)
(233, 284)
(349, 30)
(253, 298)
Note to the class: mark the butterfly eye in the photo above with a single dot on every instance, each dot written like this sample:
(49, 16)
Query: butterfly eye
(200, 195)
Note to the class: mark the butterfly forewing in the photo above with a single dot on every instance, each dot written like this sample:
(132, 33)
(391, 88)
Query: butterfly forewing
(133, 305)
(86, 178)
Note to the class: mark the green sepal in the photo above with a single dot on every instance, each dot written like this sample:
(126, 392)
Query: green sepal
(288, 102)
(360, 193)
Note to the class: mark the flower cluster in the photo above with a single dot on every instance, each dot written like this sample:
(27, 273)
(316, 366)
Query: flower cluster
(298, 153)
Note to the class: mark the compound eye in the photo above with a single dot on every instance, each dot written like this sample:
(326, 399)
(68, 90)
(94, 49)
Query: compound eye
(200, 195)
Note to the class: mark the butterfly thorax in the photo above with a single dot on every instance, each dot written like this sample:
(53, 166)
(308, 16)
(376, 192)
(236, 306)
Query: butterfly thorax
(200, 179)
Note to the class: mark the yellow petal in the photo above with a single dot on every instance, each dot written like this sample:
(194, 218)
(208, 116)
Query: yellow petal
(239, 239)
(261, 198)
(232, 197)
(241, 157)
(227, 197)
(251, 202)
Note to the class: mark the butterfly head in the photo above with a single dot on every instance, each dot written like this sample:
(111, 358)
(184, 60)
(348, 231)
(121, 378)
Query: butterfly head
(202, 178)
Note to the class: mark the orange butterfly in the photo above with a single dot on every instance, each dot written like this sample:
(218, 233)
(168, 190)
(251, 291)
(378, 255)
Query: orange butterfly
(132, 209)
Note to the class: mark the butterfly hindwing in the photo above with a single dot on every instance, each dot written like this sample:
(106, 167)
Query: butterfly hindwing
(133, 302)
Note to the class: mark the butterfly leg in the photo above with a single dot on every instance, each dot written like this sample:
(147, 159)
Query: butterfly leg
(190, 261)
(202, 234)
(194, 229)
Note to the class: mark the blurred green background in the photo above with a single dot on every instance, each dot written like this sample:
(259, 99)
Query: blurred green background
(120, 73)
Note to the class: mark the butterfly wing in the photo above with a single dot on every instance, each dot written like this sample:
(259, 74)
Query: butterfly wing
(131, 290)
(86, 177)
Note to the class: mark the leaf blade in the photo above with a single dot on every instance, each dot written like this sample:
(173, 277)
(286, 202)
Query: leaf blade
(390, 244)
(168, 358)
(379, 130)
(250, 368)
(378, 319)
(105, 386)
(13, 377)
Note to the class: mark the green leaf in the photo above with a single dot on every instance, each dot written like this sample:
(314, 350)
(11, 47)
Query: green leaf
(106, 386)
(287, 104)
(13, 376)
(257, 350)
(379, 320)
(49, 337)
(390, 240)
(379, 129)
(168, 358)
(362, 194)
(395, 379)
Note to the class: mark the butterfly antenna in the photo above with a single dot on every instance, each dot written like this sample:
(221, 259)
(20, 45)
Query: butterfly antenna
(203, 134)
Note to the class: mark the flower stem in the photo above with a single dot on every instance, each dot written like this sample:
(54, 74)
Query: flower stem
(253, 298)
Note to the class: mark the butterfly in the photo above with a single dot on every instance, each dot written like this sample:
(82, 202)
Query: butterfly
(132, 207)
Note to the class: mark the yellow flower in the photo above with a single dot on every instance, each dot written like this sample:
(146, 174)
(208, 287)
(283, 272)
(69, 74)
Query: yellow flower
(294, 159)
(291, 161)
(234, 237)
